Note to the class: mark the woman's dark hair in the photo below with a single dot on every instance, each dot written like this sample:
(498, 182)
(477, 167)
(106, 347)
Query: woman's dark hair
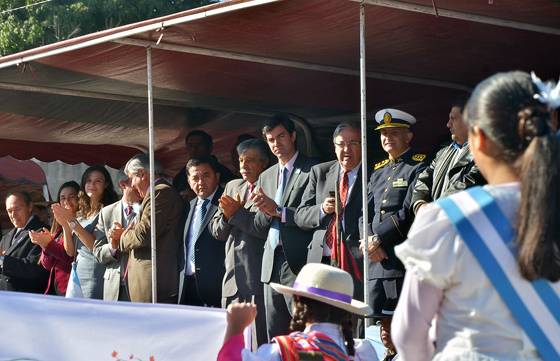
(71, 184)
(109, 195)
(504, 108)
(308, 310)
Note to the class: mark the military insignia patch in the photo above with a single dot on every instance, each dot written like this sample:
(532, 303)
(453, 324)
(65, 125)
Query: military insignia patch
(380, 164)
(419, 157)
(387, 118)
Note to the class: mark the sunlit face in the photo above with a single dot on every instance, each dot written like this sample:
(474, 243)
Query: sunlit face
(140, 182)
(281, 143)
(347, 148)
(456, 125)
(196, 148)
(395, 141)
(95, 185)
(251, 165)
(203, 180)
(69, 199)
(18, 212)
(130, 194)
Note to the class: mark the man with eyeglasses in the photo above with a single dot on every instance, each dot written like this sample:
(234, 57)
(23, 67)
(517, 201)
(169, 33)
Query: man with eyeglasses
(389, 197)
(332, 204)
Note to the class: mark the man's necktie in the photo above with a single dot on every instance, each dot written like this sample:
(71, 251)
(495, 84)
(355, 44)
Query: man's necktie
(274, 231)
(331, 235)
(195, 227)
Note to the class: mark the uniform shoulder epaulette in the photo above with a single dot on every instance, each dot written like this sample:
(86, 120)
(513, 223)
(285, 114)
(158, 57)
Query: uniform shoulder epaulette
(419, 157)
(380, 164)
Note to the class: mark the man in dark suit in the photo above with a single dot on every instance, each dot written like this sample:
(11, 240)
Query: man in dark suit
(202, 257)
(453, 169)
(199, 144)
(390, 217)
(336, 239)
(279, 193)
(244, 250)
(19, 257)
(136, 240)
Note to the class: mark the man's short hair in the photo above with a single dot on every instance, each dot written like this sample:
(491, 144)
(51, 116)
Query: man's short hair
(23, 195)
(195, 162)
(460, 101)
(142, 161)
(257, 144)
(206, 138)
(276, 120)
(347, 124)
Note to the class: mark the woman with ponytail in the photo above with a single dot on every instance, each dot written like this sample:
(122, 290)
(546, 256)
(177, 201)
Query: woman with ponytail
(485, 263)
(321, 325)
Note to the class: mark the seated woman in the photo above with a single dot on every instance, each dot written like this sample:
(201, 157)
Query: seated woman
(53, 245)
(321, 325)
(480, 261)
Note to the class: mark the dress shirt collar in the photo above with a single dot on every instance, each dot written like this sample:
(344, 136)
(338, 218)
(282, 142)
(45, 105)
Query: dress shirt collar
(351, 173)
(399, 158)
(289, 165)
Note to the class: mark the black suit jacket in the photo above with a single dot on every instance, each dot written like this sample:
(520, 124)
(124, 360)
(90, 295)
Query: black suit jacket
(323, 179)
(22, 271)
(209, 256)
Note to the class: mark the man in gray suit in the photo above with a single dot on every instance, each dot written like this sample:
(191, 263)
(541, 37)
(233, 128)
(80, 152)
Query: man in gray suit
(244, 250)
(279, 193)
(113, 219)
(336, 236)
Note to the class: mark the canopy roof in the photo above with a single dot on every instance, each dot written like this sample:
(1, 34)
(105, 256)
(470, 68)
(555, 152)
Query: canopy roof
(225, 66)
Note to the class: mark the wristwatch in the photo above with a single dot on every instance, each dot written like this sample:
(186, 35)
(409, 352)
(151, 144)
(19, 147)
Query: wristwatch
(279, 212)
(72, 224)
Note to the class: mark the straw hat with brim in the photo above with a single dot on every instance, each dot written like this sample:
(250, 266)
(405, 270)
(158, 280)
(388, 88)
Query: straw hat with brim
(326, 284)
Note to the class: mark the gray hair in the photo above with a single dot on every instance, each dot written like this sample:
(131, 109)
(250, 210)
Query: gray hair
(257, 144)
(142, 161)
(349, 124)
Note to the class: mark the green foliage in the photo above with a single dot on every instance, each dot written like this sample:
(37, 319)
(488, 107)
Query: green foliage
(62, 19)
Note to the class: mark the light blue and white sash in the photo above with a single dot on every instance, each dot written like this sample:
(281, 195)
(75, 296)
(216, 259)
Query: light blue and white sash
(489, 236)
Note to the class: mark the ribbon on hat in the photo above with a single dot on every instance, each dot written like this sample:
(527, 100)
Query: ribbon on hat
(548, 92)
(324, 293)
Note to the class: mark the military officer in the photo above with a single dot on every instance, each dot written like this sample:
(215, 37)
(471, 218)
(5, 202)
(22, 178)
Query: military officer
(389, 195)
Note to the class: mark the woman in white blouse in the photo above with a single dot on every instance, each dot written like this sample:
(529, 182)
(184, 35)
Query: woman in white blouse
(512, 138)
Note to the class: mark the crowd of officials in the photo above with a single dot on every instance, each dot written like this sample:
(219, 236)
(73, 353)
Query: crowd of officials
(223, 240)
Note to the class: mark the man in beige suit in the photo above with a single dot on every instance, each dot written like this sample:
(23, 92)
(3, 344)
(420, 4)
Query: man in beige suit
(136, 238)
(244, 248)
(113, 219)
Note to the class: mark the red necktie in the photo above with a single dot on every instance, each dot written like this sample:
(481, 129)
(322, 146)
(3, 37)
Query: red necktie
(340, 256)
(332, 237)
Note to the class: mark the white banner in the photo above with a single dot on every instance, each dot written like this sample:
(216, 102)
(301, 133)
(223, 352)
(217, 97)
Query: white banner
(50, 328)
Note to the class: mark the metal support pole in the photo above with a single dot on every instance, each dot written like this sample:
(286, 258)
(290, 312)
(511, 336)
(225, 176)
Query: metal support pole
(152, 174)
(365, 180)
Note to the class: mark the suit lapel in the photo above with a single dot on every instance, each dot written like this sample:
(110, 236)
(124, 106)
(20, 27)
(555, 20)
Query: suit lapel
(331, 178)
(189, 218)
(10, 245)
(16, 243)
(357, 188)
(293, 179)
(210, 213)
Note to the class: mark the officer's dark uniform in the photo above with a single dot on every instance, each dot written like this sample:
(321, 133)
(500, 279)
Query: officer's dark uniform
(389, 198)
(389, 195)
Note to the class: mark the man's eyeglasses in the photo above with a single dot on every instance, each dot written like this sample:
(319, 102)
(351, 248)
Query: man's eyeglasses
(351, 144)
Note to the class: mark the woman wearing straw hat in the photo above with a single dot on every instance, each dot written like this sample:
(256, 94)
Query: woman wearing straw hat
(321, 322)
